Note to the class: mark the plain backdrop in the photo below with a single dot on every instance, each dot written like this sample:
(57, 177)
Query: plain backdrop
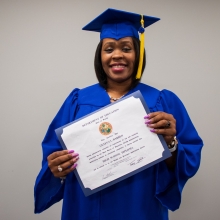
(44, 54)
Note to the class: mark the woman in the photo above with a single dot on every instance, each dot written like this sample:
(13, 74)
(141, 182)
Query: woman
(149, 194)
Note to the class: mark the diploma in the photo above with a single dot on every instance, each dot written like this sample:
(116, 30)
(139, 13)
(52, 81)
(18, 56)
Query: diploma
(113, 143)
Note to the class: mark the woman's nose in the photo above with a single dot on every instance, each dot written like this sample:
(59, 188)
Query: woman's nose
(117, 54)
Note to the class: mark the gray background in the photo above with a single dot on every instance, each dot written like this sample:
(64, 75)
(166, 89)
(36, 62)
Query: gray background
(44, 54)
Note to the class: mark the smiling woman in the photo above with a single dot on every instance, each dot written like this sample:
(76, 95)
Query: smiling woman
(118, 57)
(148, 194)
(127, 46)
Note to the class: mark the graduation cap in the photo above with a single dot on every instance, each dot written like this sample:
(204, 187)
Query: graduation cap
(118, 24)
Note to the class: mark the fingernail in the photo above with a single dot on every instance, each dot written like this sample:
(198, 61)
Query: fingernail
(147, 116)
(75, 154)
(74, 165)
(75, 159)
(148, 122)
(70, 151)
(152, 130)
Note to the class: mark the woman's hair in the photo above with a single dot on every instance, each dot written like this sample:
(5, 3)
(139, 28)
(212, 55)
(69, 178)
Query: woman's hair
(100, 73)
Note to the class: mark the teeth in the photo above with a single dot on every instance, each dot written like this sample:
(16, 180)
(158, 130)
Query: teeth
(118, 66)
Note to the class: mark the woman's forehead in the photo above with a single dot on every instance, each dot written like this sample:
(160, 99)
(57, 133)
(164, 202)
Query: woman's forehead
(120, 41)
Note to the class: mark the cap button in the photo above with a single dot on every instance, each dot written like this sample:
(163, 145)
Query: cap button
(141, 30)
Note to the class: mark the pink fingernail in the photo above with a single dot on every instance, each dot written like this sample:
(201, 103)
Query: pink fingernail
(147, 116)
(70, 151)
(75, 159)
(148, 122)
(74, 165)
(75, 154)
(152, 130)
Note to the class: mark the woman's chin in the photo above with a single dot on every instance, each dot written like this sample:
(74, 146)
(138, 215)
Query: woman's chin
(120, 79)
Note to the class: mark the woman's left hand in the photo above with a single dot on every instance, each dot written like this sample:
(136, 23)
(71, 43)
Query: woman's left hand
(162, 123)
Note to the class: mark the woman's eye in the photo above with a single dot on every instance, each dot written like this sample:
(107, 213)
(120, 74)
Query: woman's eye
(126, 49)
(108, 50)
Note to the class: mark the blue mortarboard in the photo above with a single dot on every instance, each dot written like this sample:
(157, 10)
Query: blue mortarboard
(118, 24)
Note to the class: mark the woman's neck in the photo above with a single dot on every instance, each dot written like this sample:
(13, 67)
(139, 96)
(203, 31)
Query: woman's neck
(116, 90)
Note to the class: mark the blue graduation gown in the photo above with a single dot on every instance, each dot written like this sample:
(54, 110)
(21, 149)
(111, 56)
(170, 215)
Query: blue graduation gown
(145, 196)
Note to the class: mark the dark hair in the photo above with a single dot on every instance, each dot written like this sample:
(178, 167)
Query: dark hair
(100, 73)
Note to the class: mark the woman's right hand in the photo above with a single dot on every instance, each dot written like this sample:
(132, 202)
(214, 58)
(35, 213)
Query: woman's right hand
(65, 160)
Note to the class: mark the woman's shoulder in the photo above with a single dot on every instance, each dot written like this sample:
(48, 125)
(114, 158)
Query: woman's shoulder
(152, 90)
(90, 95)
(155, 97)
(90, 89)
(79, 93)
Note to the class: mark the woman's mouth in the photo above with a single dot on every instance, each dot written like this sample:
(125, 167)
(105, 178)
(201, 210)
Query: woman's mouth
(118, 67)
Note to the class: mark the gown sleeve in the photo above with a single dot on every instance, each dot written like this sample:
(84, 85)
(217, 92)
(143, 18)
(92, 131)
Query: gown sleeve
(169, 184)
(48, 189)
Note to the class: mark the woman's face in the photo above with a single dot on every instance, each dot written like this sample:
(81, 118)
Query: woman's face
(118, 58)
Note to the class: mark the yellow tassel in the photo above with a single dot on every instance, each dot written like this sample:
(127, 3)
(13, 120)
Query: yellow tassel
(141, 57)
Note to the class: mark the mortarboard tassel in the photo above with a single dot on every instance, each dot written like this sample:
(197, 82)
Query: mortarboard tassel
(141, 57)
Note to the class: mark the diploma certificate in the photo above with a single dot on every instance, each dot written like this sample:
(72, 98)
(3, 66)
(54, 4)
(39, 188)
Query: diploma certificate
(113, 143)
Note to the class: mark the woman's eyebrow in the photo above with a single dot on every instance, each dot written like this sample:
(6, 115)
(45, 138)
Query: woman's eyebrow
(121, 42)
(109, 43)
(126, 41)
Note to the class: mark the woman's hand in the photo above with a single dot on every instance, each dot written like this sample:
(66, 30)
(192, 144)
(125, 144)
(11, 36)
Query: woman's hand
(162, 123)
(62, 162)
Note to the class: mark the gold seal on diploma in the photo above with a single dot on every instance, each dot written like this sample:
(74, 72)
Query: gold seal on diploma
(105, 128)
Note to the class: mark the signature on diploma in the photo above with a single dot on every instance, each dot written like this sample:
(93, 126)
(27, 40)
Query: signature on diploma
(136, 161)
(108, 174)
